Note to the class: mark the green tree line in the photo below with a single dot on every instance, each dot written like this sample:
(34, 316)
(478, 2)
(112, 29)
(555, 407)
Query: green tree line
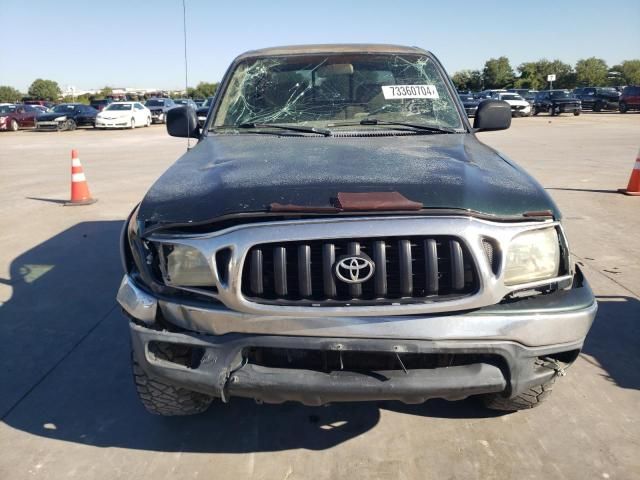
(43, 89)
(594, 72)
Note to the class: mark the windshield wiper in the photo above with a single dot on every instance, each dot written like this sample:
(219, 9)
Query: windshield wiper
(293, 128)
(417, 126)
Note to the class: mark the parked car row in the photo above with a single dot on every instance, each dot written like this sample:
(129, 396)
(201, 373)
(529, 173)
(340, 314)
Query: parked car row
(100, 114)
(525, 102)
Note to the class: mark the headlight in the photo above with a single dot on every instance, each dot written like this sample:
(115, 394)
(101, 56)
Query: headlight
(184, 266)
(60, 119)
(532, 256)
(3, 119)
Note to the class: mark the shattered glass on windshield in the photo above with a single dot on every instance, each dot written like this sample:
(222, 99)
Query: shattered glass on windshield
(327, 90)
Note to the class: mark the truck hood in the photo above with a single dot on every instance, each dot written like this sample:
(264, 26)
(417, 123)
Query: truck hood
(243, 173)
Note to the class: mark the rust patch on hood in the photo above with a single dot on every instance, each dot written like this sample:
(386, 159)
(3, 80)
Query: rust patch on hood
(376, 201)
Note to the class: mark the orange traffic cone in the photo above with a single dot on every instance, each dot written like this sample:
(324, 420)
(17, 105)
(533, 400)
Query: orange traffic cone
(634, 180)
(80, 194)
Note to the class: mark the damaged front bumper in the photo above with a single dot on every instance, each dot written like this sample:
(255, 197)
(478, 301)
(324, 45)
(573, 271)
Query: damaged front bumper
(504, 348)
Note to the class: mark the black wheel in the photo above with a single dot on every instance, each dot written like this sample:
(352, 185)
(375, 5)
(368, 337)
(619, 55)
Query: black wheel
(535, 111)
(552, 111)
(70, 124)
(622, 107)
(14, 125)
(597, 107)
(161, 398)
(576, 113)
(531, 398)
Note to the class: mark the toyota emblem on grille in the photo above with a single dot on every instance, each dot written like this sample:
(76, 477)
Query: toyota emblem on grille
(354, 268)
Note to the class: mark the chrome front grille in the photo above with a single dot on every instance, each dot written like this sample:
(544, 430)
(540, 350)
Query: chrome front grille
(231, 253)
(407, 269)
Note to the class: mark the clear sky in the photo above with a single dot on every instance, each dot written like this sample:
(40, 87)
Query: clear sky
(138, 43)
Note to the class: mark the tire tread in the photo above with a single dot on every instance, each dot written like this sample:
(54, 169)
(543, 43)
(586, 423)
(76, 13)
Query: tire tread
(530, 398)
(160, 398)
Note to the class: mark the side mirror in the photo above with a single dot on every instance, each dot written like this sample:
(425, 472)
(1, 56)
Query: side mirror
(492, 115)
(182, 122)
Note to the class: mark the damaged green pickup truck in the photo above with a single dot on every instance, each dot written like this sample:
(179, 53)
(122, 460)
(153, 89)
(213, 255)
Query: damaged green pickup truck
(338, 233)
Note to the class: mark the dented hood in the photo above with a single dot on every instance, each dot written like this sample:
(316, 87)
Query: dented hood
(243, 173)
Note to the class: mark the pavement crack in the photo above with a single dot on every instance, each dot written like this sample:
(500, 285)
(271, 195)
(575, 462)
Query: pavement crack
(594, 269)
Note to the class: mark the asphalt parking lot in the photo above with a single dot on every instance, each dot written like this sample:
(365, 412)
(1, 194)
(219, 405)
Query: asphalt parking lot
(67, 401)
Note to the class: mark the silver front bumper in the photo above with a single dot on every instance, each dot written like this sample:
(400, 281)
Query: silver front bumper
(536, 322)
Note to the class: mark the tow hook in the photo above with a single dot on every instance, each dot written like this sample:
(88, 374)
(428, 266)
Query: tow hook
(553, 364)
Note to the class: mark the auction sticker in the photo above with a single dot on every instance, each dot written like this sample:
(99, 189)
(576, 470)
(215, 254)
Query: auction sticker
(392, 92)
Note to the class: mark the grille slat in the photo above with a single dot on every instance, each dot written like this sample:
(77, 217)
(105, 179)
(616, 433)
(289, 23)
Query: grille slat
(304, 270)
(280, 271)
(457, 265)
(431, 266)
(407, 269)
(328, 259)
(257, 283)
(380, 259)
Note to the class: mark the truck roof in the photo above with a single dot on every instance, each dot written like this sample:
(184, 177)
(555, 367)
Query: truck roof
(330, 48)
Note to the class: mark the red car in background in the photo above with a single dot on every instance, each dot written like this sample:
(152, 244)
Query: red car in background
(13, 117)
(630, 99)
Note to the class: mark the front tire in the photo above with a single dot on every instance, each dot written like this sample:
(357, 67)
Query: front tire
(133, 123)
(14, 126)
(576, 113)
(622, 107)
(148, 122)
(552, 111)
(163, 399)
(70, 125)
(597, 107)
(530, 398)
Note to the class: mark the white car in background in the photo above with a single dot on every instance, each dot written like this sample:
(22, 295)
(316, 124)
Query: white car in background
(519, 106)
(124, 115)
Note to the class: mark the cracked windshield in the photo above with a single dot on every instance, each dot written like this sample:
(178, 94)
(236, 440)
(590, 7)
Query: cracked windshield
(326, 92)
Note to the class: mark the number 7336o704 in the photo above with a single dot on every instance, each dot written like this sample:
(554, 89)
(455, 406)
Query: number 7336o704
(392, 92)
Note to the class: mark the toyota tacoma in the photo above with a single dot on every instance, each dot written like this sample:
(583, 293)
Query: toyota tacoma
(339, 233)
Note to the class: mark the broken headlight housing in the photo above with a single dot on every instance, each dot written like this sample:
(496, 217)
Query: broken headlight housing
(184, 266)
(155, 262)
(532, 256)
